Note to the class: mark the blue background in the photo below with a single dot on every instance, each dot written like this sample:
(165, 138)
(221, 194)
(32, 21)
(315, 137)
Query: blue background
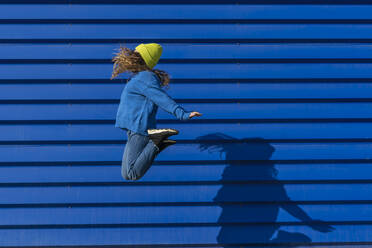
(282, 153)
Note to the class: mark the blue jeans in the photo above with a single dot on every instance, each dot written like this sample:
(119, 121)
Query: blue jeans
(139, 153)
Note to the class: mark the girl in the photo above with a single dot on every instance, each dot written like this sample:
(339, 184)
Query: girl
(138, 106)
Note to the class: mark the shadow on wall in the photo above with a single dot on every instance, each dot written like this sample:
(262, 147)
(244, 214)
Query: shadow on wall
(245, 223)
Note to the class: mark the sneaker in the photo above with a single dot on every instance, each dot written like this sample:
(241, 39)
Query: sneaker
(165, 143)
(158, 135)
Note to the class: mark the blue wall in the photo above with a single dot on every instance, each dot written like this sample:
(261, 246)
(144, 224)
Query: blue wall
(282, 153)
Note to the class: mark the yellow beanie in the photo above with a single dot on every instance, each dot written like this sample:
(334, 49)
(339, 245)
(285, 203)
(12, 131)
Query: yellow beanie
(150, 53)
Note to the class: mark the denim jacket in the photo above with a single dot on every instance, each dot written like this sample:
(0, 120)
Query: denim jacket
(139, 103)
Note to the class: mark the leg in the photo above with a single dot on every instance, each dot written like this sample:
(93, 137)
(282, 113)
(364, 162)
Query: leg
(140, 151)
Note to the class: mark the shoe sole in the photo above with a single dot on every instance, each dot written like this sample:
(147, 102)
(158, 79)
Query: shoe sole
(169, 141)
(163, 133)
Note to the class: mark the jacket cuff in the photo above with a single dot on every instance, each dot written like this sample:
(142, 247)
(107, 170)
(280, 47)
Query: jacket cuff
(181, 114)
(186, 115)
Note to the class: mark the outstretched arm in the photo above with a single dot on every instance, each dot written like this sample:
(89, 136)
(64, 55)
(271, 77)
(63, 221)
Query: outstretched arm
(155, 93)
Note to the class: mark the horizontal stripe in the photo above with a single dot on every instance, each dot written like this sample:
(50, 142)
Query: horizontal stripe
(210, 11)
(163, 236)
(309, 132)
(218, 193)
(180, 51)
(242, 213)
(185, 31)
(256, 149)
(178, 174)
(193, 71)
(112, 91)
(209, 111)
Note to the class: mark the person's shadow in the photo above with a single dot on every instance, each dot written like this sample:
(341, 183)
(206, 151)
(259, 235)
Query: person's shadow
(245, 218)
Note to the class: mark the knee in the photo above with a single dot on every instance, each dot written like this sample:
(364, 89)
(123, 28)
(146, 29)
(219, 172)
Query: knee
(124, 175)
(130, 176)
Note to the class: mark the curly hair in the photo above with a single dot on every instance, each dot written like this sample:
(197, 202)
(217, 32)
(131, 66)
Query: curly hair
(128, 60)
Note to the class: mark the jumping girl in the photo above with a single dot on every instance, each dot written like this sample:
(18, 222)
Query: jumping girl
(138, 106)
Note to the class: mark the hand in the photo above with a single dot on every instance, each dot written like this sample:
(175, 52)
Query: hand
(192, 114)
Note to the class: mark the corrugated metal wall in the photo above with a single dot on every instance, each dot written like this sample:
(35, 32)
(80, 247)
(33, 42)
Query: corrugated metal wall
(281, 155)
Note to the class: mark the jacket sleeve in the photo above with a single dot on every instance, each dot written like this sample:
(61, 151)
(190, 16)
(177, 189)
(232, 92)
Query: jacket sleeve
(156, 94)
